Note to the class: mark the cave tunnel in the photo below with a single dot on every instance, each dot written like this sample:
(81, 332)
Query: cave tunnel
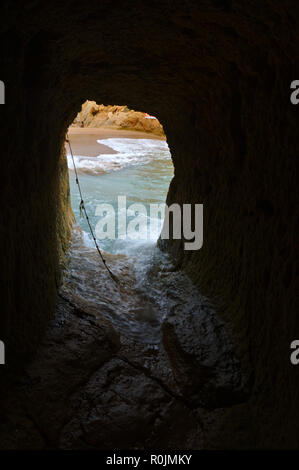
(217, 76)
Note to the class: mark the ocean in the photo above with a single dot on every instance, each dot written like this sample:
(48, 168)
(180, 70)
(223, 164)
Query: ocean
(141, 170)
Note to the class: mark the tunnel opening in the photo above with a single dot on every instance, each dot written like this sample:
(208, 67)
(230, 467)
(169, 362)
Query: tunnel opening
(165, 327)
(218, 75)
(155, 332)
(124, 165)
(120, 168)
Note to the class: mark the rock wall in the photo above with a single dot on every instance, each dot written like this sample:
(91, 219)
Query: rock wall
(37, 223)
(116, 117)
(217, 75)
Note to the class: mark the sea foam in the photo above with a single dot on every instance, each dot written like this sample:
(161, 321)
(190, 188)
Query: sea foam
(129, 152)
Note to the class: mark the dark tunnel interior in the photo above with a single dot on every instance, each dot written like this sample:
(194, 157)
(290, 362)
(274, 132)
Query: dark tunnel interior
(217, 76)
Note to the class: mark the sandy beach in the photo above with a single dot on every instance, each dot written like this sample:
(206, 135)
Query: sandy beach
(84, 140)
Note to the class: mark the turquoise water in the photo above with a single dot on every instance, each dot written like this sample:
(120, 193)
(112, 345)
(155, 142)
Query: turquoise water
(141, 170)
(149, 290)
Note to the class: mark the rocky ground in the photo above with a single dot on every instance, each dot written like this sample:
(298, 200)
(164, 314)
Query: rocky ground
(93, 386)
(84, 390)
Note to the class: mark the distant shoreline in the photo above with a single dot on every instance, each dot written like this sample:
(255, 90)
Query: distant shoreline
(84, 139)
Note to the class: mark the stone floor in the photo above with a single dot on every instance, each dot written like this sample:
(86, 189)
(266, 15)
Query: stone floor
(83, 390)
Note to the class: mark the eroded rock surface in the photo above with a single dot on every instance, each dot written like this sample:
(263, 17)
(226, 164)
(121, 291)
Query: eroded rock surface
(205, 367)
(116, 117)
(122, 408)
(37, 406)
(79, 394)
(105, 378)
(217, 75)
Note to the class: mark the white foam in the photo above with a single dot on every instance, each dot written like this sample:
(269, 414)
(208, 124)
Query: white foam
(87, 239)
(129, 152)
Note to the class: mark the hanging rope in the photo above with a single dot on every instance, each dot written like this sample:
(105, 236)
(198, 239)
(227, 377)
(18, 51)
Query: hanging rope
(83, 211)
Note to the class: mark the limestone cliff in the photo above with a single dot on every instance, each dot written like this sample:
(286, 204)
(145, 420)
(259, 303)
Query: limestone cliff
(117, 117)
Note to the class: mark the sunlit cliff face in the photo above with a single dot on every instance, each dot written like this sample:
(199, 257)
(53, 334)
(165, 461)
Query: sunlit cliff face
(217, 76)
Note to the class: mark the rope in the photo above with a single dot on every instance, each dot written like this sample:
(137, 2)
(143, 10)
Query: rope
(82, 209)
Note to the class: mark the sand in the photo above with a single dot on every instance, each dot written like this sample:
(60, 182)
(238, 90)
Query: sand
(84, 140)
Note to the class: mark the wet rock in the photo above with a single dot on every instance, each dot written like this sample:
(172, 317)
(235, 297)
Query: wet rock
(121, 408)
(78, 393)
(202, 358)
(76, 345)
